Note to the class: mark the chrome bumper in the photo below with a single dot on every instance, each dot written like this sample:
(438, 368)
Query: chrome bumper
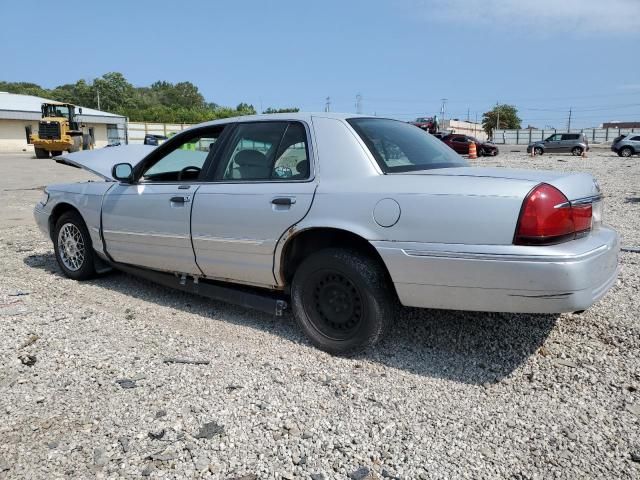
(42, 219)
(504, 278)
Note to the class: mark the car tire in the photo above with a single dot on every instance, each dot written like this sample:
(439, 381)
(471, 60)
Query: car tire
(342, 300)
(73, 247)
(538, 150)
(577, 151)
(41, 153)
(625, 152)
(55, 153)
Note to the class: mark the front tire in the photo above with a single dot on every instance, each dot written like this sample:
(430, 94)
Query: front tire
(342, 300)
(625, 152)
(41, 152)
(538, 150)
(73, 248)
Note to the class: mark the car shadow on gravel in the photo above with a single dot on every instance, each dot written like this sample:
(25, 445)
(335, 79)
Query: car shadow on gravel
(469, 347)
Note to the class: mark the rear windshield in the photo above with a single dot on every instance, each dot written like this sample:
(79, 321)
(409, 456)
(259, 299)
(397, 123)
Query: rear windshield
(402, 147)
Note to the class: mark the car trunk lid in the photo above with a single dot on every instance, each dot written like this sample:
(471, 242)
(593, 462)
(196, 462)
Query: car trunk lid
(575, 185)
(101, 161)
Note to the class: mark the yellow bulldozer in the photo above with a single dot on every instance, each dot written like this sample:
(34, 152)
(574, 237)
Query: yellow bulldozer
(60, 131)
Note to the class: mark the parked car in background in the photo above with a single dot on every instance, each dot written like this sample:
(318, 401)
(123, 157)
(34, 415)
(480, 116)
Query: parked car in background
(341, 216)
(574, 143)
(460, 143)
(151, 139)
(627, 145)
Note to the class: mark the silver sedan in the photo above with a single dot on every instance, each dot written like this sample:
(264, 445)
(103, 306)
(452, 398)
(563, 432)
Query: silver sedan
(341, 217)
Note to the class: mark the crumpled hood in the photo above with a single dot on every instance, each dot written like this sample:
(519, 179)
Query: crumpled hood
(101, 161)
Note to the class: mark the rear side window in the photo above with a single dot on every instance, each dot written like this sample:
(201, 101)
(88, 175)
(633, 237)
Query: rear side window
(401, 147)
(635, 139)
(570, 136)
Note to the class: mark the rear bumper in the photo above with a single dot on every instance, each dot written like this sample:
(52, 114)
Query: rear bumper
(504, 278)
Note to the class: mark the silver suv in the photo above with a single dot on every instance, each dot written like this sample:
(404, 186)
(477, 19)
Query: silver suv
(574, 143)
(627, 145)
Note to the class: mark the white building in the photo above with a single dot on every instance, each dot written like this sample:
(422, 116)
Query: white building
(464, 128)
(19, 115)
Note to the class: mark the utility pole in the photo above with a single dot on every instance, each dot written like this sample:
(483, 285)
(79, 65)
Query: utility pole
(443, 110)
(467, 114)
(498, 118)
(98, 90)
(358, 103)
(327, 105)
(569, 122)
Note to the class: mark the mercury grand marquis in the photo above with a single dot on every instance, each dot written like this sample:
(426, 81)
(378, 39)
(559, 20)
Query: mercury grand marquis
(342, 217)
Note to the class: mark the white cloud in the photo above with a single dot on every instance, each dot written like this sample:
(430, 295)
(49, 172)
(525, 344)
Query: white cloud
(564, 16)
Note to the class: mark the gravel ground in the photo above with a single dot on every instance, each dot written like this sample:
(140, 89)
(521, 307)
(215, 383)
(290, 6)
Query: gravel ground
(85, 391)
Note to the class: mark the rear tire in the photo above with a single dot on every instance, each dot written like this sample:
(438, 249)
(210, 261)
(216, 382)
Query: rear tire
(77, 144)
(577, 151)
(342, 300)
(625, 152)
(41, 153)
(73, 247)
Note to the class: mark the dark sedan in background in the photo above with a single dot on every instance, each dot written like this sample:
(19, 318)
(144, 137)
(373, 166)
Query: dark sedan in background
(460, 143)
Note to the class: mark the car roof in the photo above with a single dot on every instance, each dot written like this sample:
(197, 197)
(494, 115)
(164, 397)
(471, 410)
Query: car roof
(300, 116)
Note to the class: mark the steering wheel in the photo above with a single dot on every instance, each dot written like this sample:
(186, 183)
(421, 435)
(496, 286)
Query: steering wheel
(188, 169)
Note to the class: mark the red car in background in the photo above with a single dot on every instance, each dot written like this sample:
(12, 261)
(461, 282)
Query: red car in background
(460, 143)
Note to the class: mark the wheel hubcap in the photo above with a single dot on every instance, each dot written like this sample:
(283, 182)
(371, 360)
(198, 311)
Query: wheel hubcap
(337, 305)
(71, 246)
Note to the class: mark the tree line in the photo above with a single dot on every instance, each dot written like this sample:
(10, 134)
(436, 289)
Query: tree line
(162, 101)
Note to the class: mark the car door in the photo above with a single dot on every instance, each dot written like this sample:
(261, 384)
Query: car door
(261, 185)
(568, 141)
(147, 222)
(460, 144)
(552, 144)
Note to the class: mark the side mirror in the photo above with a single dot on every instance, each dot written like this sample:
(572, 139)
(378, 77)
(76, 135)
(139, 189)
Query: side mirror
(123, 172)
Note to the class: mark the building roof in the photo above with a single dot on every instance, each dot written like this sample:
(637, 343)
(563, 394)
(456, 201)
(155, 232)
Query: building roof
(14, 106)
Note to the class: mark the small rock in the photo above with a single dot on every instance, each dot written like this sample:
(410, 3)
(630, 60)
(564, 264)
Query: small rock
(251, 476)
(387, 474)
(565, 362)
(40, 400)
(163, 455)
(124, 443)
(156, 435)
(361, 474)
(146, 471)
(100, 457)
(28, 360)
(635, 457)
(53, 444)
(210, 430)
(4, 467)
(287, 476)
(318, 476)
(633, 408)
(201, 464)
(307, 435)
(161, 413)
(126, 383)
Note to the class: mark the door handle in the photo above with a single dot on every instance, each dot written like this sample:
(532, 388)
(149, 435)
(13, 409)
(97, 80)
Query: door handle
(283, 201)
(180, 199)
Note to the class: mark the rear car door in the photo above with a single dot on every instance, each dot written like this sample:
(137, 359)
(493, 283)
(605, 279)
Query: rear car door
(460, 144)
(568, 141)
(147, 223)
(261, 185)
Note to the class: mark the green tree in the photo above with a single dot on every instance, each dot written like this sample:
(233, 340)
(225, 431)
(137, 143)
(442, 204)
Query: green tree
(505, 116)
(24, 88)
(282, 110)
(245, 109)
(116, 93)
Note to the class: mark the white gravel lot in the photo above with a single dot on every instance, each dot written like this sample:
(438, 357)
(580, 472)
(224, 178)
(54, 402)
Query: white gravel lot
(447, 395)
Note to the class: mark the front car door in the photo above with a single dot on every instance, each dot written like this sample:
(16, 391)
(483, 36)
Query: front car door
(260, 186)
(147, 223)
(552, 144)
(460, 144)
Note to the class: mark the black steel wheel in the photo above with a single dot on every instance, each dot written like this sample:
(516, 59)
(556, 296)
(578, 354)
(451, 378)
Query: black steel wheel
(577, 151)
(342, 300)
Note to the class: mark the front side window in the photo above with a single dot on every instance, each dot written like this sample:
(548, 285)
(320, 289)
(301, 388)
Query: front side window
(265, 151)
(185, 161)
(554, 138)
(401, 147)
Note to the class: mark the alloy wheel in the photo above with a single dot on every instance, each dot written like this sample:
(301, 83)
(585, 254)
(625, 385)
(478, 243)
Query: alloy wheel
(71, 247)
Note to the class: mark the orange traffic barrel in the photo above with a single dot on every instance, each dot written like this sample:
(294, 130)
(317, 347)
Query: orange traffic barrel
(473, 152)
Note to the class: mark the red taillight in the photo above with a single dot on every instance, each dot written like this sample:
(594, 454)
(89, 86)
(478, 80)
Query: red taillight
(548, 217)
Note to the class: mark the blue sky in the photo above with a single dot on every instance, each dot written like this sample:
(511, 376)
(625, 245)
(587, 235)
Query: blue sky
(402, 56)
